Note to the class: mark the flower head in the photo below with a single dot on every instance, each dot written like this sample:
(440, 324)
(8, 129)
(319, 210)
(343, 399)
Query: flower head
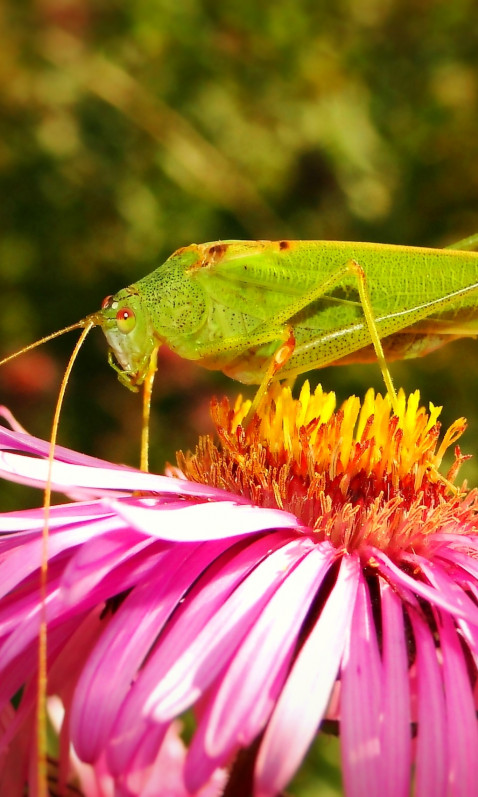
(313, 567)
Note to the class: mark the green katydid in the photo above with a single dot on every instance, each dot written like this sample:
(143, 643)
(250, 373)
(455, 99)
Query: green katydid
(263, 310)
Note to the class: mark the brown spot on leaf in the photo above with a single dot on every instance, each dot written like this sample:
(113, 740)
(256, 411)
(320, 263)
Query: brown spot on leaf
(284, 245)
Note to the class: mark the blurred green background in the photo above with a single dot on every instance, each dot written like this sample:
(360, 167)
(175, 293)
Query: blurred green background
(131, 129)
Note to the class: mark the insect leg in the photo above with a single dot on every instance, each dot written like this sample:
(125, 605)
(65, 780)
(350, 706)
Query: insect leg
(282, 323)
(356, 268)
(276, 329)
(278, 360)
(240, 343)
(147, 391)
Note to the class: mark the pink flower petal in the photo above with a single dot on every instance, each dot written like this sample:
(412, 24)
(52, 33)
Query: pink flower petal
(395, 737)
(246, 695)
(124, 644)
(452, 600)
(33, 520)
(205, 632)
(102, 479)
(465, 559)
(460, 711)
(304, 698)
(25, 558)
(216, 643)
(361, 703)
(184, 523)
(432, 751)
(447, 586)
(241, 703)
(98, 564)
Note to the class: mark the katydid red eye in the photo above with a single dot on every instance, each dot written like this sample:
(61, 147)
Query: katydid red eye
(126, 320)
(106, 301)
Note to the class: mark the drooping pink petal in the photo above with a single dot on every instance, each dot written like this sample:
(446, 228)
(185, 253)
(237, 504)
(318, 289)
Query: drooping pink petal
(23, 671)
(28, 522)
(25, 558)
(164, 778)
(210, 650)
(451, 600)
(113, 557)
(13, 759)
(123, 646)
(243, 698)
(395, 737)
(183, 523)
(361, 703)
(447, 586)
(82, 472)
(306, 693)
(203, 636)
(457, 554)
(252, 682)
(431, 747)
(66, 669)
(462, 728)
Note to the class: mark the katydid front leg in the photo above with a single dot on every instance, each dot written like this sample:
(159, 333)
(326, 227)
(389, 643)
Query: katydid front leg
(277, 361)
(282, 354)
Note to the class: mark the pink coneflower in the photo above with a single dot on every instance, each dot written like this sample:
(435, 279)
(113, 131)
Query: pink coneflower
(313, 568)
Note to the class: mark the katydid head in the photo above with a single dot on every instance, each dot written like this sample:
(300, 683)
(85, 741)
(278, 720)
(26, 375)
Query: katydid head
(129, 334)
(166, 306)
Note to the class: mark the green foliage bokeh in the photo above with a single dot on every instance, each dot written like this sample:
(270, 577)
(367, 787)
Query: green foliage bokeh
(130, 129)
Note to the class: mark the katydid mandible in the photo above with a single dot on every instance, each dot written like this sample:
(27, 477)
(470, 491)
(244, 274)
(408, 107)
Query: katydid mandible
(264, 310)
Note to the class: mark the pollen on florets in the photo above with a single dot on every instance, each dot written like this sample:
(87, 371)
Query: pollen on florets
(360, 474)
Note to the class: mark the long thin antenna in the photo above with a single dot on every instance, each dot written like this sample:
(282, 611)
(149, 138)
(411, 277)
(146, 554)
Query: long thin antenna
(41, 728)
(79, 324)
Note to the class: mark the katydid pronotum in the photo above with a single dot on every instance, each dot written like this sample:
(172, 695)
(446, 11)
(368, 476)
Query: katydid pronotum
(261, 310)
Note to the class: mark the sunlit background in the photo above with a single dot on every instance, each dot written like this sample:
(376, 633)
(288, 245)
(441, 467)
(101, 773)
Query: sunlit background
(131, 129)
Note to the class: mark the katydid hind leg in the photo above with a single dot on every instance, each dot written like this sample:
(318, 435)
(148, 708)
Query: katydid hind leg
(323, 349)
(327, 348)
(365, 333)
(365, 301)
(276, 329)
